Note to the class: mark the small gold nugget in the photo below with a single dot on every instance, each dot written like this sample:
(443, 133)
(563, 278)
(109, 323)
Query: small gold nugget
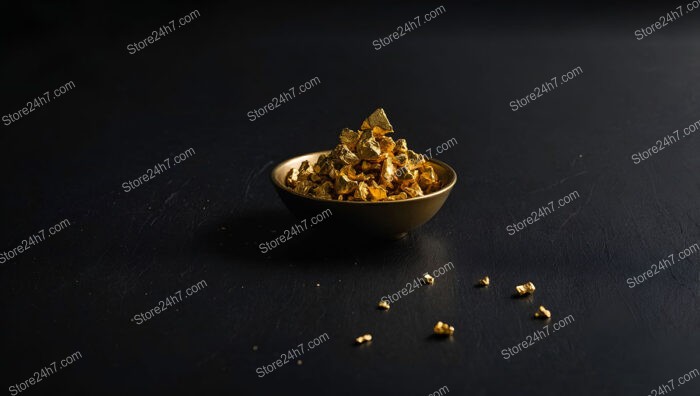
(443, 329)
(363, 339)
(543, 313)
(527, 288)
(485, 281)
(383, 304)
(428, 279)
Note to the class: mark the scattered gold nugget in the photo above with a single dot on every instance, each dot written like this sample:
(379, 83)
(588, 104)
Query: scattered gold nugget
(363, 339)
(527, 288)
(428, 279)
(543, 313)
(367, 165)
(383, 304)
(441, 328)
(485, 281)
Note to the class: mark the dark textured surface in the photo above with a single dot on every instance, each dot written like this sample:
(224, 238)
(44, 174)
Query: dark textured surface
(203, 219)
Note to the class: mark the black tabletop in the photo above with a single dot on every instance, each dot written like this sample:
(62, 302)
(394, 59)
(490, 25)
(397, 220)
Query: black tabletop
(573, 131)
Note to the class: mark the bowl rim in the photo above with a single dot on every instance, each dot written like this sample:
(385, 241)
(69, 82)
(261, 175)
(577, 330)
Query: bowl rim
(443, 190)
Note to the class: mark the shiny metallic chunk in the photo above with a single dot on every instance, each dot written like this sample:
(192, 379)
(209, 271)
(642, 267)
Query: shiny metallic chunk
(400, 159)
(361, 192)
(414, 159)
(303, 187)
(404, 174)
(370, 166)
(342, 155)
(378, 123)
(343, 185)
(323, 165)
(427, 177)
(363, 338)
(323, 190)
(543, 313)
(386, 144)
(376, 192)
(349, 138)
(368, 148)
(383, 304)
(443, 329)
(412, 190)
(401, 147)
(397, 197)
(485, 281)
(387, 174)
(292, 178)
(526, 288)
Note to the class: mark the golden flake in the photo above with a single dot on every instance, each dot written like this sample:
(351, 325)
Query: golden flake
(383, 304)
(376, 192)
(361, 192)
(368, 148)
(485, 281)
(386, 144)
(343, 185)
(377, 122)
(401, 147)
(364, 338)
(543, 313)
(526, 288)
(441, 328)
(342, 155)
(349, 138)
(387, 174)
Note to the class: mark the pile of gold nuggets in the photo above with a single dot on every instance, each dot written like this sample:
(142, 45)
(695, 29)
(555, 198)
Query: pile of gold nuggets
(367, 165)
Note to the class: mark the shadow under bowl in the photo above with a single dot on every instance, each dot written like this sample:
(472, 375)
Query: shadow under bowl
(385, 219)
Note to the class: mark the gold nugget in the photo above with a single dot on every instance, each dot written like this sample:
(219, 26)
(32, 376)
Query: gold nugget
(366, 166)
(428, 279)
(363, 339)
(527, 288)
(485, 281)
(543, 313)
(383, 304)
(441, 328)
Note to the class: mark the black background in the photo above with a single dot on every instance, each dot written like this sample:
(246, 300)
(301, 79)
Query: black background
(204, 218)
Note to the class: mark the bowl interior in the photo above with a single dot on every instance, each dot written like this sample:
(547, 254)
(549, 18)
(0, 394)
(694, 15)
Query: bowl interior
(444, 172)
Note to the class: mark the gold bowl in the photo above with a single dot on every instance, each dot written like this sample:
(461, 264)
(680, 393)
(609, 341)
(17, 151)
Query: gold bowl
(385, 219)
